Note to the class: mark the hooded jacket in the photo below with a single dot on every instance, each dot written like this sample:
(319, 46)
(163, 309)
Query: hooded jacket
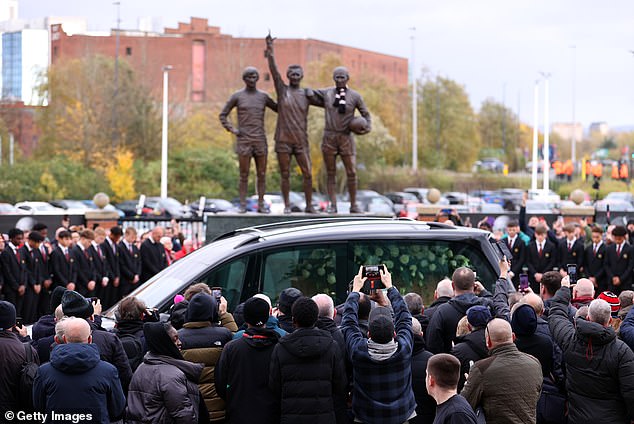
(469, 348)
(243, 373)
(202, 343)
(164, 390)
(425, 404)
(308, 378)
(524, 324)
(599, 367)
(12, 356)
(74, 369)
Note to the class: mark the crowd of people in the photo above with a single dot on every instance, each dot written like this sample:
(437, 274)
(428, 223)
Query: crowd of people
(554, 350)
(100, 263)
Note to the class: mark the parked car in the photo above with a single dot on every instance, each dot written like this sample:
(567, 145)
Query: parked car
(369, 201)
(38, 208)
(252, 204)
(213, 206)
(400, 199)
(488, 165)
(128, 207)
(108, 207)
(167, 207)
(71, 206)
(538, 207)
(322, 256)
(8, 209)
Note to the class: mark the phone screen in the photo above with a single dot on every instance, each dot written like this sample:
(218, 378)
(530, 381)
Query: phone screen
(523, 281)
(571, 269)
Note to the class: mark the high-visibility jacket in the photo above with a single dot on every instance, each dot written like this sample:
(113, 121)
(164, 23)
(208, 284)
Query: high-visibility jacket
(597, 170)
(624, 172)
(568, 168)
(557, 167)
(615, 171)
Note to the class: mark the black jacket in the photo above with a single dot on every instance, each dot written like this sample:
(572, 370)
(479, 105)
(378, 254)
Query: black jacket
(111, 252)
(308, 378)
(13, 270)
(599, 367)
(286, 323)
(44, 327)
(540, 264)
(520, 253)
(75, 368)
(425, 404)
(620, 266)
(243, 373)
(153, 259)
(471, 347)
(12, 355)
(129, 266)
(111, 350)
(431, 310)
(572, 256)
(100, 263)
(324, 323)
(63, 271)
(85, 270)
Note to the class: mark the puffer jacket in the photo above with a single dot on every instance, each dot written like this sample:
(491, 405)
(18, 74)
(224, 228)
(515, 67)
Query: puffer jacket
(203, 343)
(599, 367)
(308, 378)
(164, 390)
(471, 347)
(499, 381)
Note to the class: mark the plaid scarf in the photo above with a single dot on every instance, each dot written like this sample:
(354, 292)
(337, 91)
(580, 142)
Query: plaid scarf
(340, 99)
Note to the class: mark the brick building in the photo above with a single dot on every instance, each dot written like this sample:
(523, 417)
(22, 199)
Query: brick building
(207, 65)
(20, 121)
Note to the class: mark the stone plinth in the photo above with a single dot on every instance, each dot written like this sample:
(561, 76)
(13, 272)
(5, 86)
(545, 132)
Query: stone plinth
(101, 218)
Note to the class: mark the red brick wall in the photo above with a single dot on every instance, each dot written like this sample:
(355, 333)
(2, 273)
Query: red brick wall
(226, 56)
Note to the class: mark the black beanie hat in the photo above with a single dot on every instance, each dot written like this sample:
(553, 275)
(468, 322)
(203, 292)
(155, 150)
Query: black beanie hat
(7, 315)
(256, 311)
(76, 305)
(524, 320)
(201, 307)
(56, 297)
(287, 298)
(381, 329)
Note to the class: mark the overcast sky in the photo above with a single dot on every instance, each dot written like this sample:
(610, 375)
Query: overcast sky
(495, 48)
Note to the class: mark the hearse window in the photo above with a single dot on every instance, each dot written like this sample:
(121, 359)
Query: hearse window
(417, 266)
(230, 277)
(312, 269)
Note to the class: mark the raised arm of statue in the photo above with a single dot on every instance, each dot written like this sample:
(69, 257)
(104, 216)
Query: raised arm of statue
(275, 73)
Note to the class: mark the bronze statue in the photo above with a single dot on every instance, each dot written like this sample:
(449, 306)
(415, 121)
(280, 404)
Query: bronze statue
(340, 103)
(250, 134)
(291, 137)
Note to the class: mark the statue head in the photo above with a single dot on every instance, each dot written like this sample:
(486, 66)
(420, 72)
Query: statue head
(250, 76)
(295, 73)
(340, 76)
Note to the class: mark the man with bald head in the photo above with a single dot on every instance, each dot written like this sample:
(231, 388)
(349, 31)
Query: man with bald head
(600, 367)
(340, 103)
(76, 379)
(582, 293)
(325, 320)
(442, 294)
(508, 383)
(153, 256)
(250, 134)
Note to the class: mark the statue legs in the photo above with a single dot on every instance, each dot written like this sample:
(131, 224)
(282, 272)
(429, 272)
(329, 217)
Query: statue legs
(331, 172)
(260, 169)
(284, 159)
(349, 162)
(244, 162)
(303, 160)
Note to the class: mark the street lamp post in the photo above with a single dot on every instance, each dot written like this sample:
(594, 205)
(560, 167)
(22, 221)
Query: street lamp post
(414, 104)
(573, 147)
(546, 136)
(166, 70)
(116, 76)
(535, 135)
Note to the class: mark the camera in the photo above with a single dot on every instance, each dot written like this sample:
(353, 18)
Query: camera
(571, 269)
(373, 282)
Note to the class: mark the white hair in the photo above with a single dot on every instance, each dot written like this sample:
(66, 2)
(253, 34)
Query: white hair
(325, 304)
(444, 288)
(416, 327)
(599, 312)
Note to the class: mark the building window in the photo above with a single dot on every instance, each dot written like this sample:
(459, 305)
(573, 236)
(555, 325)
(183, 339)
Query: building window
(267, 76)
(128, 51)
(199, 57)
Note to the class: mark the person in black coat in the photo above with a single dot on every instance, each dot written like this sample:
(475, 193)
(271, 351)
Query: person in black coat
(570, 249)
(594, 259)
(325, 321)
(110, 348)
(472, 347)
(442, 294)
(307, 373)
(542, 257)
(619, 262)
(243, 369)
(13, 270)
(63, 269)
(153, 258)
(77, 379)
(86, 283)
(285, 302)
(110, 249)
(425, 404)
(103, 276)
(129, 263)
(32, 259)
(518, 249)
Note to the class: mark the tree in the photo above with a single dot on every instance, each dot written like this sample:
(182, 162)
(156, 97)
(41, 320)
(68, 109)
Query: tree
(85, 121)
(498, 129)
(120, 175)
(449, 127)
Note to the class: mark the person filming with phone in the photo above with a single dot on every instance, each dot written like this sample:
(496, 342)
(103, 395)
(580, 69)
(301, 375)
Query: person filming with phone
(385, 356)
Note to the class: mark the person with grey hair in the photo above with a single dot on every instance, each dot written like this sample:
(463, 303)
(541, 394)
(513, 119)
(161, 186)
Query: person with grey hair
(600, 367)
(442, 294)
(76, 378)
(582, 293)
(416, 307)
(325, 320)
(626, 299)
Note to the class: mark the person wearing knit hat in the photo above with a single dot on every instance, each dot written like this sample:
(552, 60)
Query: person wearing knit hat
(524, 324)
(243, 369)
(472, 346)
(288, 296)
(618, 262)
(12, 357)
(478, 316)
(76, 305)
(613, 301)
